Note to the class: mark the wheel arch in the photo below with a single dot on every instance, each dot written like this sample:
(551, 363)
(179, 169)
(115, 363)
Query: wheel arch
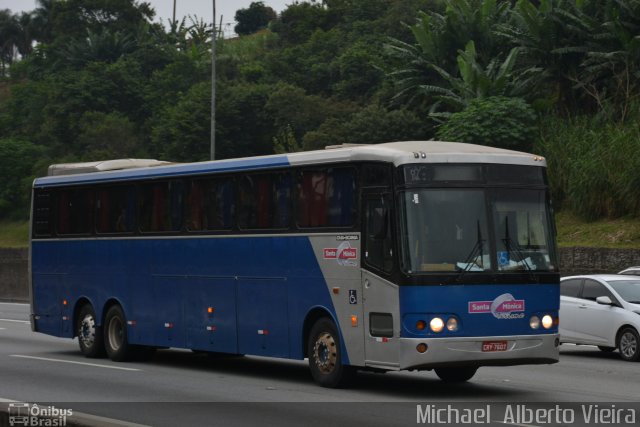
(312, 316)
(622, 328)
(107, 305)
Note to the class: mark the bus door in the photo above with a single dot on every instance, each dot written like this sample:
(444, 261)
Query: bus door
(381, 296)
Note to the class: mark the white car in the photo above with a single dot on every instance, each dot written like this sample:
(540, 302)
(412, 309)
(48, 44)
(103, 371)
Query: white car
(634, 271)
(602, 310)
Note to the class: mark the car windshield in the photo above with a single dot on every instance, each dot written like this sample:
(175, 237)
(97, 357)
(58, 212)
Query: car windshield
(449, 230)
(629, 290)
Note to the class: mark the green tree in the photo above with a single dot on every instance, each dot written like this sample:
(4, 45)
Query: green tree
(372, 125)
(494, 121)
(437, 37)
(17, 158)
(107, 136)
(256, 17)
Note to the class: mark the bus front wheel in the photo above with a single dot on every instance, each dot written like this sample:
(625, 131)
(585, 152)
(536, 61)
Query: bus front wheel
(325, 356)
(456, 375)
(89, 333)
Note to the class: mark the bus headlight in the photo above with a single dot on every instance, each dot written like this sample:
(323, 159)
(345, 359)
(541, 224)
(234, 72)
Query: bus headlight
(436, 324)
(534, 322)
(452, 324)
(547, 321)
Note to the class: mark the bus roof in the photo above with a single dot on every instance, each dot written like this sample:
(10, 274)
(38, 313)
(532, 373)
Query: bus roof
(102, 166)
(398, 153)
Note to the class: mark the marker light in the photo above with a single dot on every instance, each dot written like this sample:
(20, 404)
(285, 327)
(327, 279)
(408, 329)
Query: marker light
(421, 325)
(547, 321)
(422, 347)
(534, 322)
(452, 324)
(436, 324)
(354, 320)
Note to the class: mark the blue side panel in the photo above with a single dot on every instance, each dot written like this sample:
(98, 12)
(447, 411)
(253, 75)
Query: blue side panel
(236, 295)
(215, 330)
(425, 302)
(262, 317)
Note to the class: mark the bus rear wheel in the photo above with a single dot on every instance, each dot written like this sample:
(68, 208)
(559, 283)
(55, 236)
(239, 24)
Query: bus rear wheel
(325, 356)
(456, 375)
(116, 341)
(89, 333)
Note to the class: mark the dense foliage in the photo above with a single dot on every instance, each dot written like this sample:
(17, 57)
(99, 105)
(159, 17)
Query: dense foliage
(93, 79)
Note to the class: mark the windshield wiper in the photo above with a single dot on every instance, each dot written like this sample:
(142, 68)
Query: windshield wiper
(510, 244)
(470, 260)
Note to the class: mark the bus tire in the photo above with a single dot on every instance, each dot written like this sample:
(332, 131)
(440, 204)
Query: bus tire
(325, 356)
(116, 341)
(89, 333)
(456, 375)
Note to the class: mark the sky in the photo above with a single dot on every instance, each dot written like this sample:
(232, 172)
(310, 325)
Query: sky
(164, 9)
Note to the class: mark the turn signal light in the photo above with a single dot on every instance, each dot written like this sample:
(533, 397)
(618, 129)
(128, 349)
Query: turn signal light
(421, 325)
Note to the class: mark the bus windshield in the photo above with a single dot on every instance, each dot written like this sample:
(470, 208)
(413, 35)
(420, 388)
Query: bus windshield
(476, 230)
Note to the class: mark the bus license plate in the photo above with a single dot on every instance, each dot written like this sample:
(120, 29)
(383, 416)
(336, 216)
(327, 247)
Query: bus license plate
(494, 346)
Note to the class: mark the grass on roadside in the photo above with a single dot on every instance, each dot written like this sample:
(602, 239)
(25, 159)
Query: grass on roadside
(14, 234)
(607, 233)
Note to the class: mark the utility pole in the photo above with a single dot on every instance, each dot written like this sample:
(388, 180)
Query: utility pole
(173, 22)
(213, 84)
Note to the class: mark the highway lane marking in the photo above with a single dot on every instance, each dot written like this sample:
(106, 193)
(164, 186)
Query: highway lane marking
(2, 329)
(47, 359)
(14, 320)
(14, 303)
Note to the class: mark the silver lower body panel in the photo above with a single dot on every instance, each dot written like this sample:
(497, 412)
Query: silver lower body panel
(467, 351)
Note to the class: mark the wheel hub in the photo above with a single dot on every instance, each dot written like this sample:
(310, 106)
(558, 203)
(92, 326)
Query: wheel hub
(628, 345)
(116, 333)
(325, 353)
(87, 332)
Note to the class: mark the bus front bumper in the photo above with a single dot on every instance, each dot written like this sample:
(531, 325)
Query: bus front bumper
(479, 351)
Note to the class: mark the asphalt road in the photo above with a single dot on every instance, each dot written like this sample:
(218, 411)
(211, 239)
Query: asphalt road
(179, 387)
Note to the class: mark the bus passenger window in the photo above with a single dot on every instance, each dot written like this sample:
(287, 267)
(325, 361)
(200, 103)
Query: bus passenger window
(265, 201)
(210, 205)
(326, 198)
(75, 211)
(161, 207)
(115, 209)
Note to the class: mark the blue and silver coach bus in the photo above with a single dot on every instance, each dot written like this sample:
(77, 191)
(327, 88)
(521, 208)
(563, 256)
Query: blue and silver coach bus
(399, 256)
